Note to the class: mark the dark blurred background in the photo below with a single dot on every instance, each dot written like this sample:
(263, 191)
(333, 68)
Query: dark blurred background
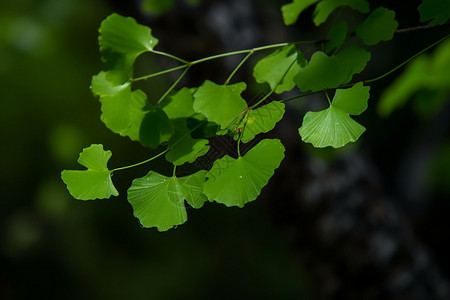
(369, 221)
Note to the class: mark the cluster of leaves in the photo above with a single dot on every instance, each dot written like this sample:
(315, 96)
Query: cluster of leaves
(183, 120)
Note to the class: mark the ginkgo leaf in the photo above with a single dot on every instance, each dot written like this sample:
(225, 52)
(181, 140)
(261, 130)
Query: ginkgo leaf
(158, 201)
(259, 120)
(101, 86)
(333, 126)
(220, 104)
(353, 100)
(336, 36)
(380, 25)
(327, 72)
(291, 11)
(121, 41)
(235, 182)
(95, 182)
(325, 7)
(438, 11)
(279, 68)
(192, 188)
(155, 128)
(183, 148)
(329, 127)
(179, 104)
(123, 112)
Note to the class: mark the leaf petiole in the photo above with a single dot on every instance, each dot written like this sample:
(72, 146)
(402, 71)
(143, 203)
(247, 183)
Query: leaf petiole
(173, 86)
(240, 65)
(169, 55)
(140, 163)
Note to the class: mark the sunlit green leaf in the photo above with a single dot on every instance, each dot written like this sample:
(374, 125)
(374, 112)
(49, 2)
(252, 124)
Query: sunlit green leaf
(279, 68)
(353, 100)
(220, 104)
(292, 10)
(259, 120)
(329, 127)
(235, 182)
(326, 72)
(179, 104)
(123, 112)
(438, 11)
(101, 86)
(336, 36)
(95, 182)
(183, 147)
(380, 25)
(121, 41)
(333, 126)
(325, 7)
(158, 201)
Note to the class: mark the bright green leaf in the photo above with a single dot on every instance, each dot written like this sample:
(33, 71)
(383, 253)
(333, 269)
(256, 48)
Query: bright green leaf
(353, 100)
(279, 68)
(333, 126)
(329, 127)
(220, 104)
(95, 182)
(336, 36)
(179, 104)
(192, 188)
(235, 182)
(158, 201)
(259, 120)
(183, 147)
(155, 128)
(327, 72)
(101, 86)
(438, 11)
(325, 7)
(121, 41)
(292, 10)
(123, 112)
(380, 25)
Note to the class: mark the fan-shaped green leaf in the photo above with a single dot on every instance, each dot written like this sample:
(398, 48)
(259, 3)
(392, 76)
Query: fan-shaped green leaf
(259, 120)
(326, 72)
(235, 182)
(292, 10)
(183, 147)
(325, 7)
(380, 25)
(179, 104)
(95, 182)
(220, 104)
(438, 11)
(279, 68)
(121, 40)
(336, 36)
(329, 127)
(101, 86)
(158, 201)
(333, 126)
(123, 111)
(155, 128)
(353, 100)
